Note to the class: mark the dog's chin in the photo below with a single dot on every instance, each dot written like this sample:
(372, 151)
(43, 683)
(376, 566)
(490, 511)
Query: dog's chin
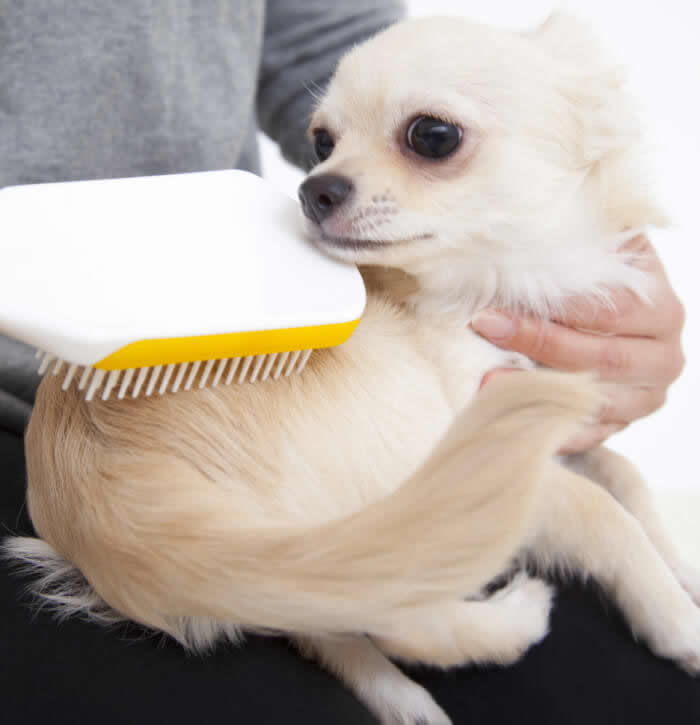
(351, 245)
(364, 251)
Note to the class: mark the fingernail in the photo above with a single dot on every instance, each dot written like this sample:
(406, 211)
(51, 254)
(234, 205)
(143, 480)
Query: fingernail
(494, 373)
(494, 325)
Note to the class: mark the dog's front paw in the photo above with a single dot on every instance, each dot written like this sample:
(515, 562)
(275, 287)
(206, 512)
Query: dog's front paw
(689, 578)
(410, 705)
(679, 640)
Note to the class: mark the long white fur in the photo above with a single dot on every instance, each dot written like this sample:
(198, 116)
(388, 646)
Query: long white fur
(356, 505)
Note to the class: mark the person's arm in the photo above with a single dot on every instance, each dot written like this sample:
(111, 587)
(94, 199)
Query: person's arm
(635, 348)
(304, 39)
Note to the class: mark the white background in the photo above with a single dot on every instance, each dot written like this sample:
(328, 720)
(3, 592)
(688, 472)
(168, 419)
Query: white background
(659, 44)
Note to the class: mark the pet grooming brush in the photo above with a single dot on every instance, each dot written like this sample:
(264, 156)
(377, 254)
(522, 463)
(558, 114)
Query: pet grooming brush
(155, 284)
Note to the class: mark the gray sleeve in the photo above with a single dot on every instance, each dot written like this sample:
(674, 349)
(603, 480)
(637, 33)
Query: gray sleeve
(304, 39)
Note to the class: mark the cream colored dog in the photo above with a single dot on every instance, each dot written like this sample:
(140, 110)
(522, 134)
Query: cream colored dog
(354, 507)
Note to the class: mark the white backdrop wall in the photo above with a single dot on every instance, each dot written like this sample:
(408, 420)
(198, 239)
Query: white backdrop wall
(658, 43)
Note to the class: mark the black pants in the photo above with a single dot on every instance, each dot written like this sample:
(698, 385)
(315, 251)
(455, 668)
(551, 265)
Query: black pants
(588, 671)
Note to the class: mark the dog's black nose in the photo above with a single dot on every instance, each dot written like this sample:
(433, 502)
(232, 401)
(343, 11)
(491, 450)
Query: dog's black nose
(321, 195)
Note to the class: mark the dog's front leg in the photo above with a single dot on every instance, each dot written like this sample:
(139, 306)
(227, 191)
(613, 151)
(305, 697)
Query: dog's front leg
(392, 696)
(583, 528)
(618, 476)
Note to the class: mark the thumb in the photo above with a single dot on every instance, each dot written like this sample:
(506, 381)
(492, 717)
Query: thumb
(541, 340)
(495, 326)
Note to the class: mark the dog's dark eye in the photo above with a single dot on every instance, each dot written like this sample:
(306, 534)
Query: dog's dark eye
(433, 138)
(323, 144)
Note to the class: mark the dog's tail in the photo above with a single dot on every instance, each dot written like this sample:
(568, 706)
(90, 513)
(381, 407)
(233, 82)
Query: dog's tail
(444, 533)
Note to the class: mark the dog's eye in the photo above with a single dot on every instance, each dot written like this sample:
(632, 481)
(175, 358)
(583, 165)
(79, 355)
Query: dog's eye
(323, 144)
(433, 138)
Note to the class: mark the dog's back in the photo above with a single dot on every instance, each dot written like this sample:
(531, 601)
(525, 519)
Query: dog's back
(233, 503)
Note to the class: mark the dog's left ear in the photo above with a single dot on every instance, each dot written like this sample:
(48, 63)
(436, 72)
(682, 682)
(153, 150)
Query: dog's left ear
(607, 139)
(568, 38)
(593, 88)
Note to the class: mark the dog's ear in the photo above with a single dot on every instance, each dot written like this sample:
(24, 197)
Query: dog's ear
(608, 141)
(568, 38)
(593, 88)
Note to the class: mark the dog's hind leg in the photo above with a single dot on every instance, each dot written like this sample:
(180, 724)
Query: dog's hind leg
(392, 696)
(498, 629)
(618, 476)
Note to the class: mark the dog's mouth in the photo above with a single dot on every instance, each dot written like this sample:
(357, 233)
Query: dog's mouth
(353, 243)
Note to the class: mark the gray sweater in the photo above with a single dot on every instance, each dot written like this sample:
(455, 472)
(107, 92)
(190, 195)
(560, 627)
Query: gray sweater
(100, 88)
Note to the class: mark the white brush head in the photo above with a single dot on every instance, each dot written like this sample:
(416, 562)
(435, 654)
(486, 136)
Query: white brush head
(93, 266)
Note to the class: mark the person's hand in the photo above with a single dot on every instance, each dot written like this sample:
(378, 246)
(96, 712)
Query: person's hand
(635, 348)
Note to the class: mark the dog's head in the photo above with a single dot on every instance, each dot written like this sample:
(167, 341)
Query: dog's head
(487, 163)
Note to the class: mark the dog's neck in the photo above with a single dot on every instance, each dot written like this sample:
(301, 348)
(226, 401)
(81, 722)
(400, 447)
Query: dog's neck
(442, 305)
(449, 294)
(389, 281)
(449, 298)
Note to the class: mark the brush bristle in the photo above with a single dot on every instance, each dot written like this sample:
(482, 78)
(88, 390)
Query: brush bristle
(161, 379)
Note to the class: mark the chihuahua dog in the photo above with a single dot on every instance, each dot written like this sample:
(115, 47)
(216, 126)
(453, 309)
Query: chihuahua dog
(362, 506)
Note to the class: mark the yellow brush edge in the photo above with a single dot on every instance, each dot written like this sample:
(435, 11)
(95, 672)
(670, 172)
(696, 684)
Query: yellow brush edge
(165, 351)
